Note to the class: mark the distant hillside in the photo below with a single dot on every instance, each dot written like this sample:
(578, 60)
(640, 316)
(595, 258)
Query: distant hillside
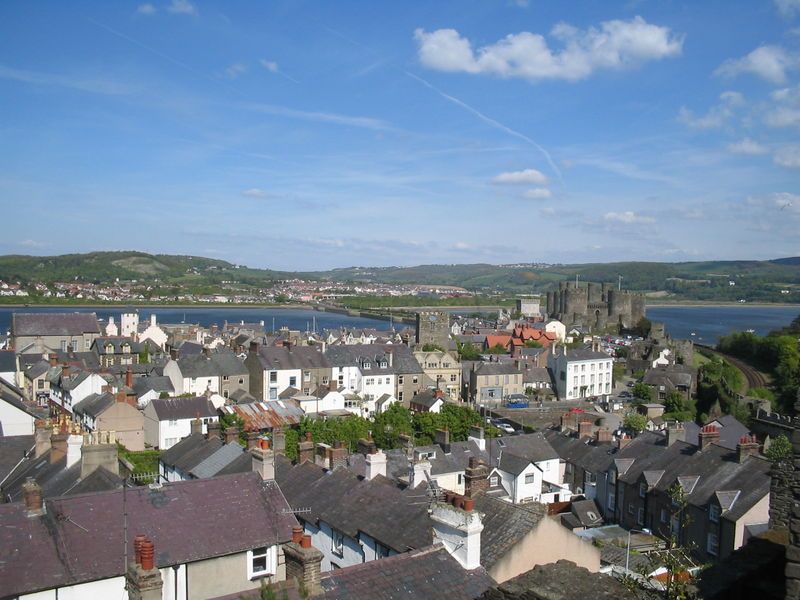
(105, 267)
(769, 281)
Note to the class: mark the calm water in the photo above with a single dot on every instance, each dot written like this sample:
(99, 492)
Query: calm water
(294, 319)
(707, 322)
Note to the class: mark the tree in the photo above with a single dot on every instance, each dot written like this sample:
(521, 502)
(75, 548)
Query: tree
(497, 349)
(468, 352)
(234, 420)
(635, 422)
(432, 348)
(779, 449)
(642, 392)
(533, 344)
(390, 424)
(163, 395)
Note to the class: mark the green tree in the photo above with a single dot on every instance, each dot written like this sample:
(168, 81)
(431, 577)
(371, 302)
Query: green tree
(497, 349)
(432, 348)
(779, 449)
(642, 392)
(635, 422)
(468, 352)
(390, 424)
(234, 420)
(533, 344)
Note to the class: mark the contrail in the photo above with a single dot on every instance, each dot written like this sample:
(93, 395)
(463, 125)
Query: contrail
(492, 122)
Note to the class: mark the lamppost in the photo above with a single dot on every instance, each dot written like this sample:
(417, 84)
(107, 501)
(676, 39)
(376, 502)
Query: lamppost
(628, 551)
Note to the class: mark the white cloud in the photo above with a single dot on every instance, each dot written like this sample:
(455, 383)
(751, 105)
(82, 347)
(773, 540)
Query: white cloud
(788, 8)
(614, 45)
(538, 193)
(528, 176)
(32, 244)
(182, 7)
(768, 62)
(717, 116)
(627, 218)
(95, 86)
(146, 9)
(786, 110)
(747, 146)
(235, 70)
(269, 65)
(548, 210)
(788, 156)
(255, 193)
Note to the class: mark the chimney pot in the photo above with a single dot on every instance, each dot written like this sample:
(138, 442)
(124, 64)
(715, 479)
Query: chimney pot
(129, 378)
(469, 504)
(137, 548)
(147, 554)
(32, 495)
(297, 534)
(306, 541)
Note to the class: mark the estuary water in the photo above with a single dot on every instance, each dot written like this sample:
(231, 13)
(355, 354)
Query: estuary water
(707, 323)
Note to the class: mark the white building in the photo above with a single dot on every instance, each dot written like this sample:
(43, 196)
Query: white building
(168, 420)
(129, 325)
(154, 333)
(580, 373)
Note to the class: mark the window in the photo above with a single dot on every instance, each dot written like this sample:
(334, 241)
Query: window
(173, 422)
(241, 380)
(612, 477)
(400, 396)
(225, 393)
(306, 375)
(640, 517)
(675, 524)
(664, 515)
(630, 508)
(642, 490)
(493, 481)
(273, 377)
(415, 379)
(453, 377)
(612, 500)
(337, 542)
(381, 551)
(273, 393)
(225, 377)
(713, 513)
(261, 562)
(400, 379)
(712, 544)
(530, 478)
(293, 381)
(460, 478)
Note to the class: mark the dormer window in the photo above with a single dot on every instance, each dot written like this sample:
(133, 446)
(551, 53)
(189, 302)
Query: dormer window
(642, 490)
(713, 513)
(367, 365)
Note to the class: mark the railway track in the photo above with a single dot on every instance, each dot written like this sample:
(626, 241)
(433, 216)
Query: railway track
(754, 377)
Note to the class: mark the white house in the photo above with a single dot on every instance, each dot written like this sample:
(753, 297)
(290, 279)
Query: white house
(168, 420)
(15, 417)
(69, 386)
(557, 327)
(8, 366)
(219, 372)
(580, 373)
(321, 400)
(154, 333)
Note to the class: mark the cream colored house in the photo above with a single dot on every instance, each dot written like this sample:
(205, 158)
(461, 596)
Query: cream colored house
(442, 370)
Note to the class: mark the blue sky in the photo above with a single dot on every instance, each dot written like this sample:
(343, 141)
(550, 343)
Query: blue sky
(313, 134)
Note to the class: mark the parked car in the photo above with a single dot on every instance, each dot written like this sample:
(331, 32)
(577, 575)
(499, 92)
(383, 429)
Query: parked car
(506, 427)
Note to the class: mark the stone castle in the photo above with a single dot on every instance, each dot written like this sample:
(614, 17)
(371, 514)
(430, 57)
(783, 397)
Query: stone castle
(595, 306)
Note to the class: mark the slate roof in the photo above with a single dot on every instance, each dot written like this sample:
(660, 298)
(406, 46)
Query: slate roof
(8, 361)
(611, 554)
(562, 580)
(730, 432)
(58, 324)
(587, 513)
(351, 505)
(585, 354)
(513, 464)
(281, 358)
(183, 520)
(430, 573)
(403, 360)
(531, 446)
(13, 450)
(116, 343)
(591, 457)
(161, 383)
(190, 452)
(426, 398)
(216, 364)
(95, 404)
(504, 525)
(183, 407)
(13, 396)
(218, 461)
(37, 369)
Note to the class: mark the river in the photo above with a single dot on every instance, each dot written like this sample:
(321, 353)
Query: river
(708, 323)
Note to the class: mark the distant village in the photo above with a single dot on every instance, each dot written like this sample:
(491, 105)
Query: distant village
(150, 460)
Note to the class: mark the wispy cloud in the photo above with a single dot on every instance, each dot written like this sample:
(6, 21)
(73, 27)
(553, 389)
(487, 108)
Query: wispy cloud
(255, 193)
(717, 116)
(321, 117)
(235, 70)
(538, 194)
(272, 67)
(627, 218)
(182, 7)
(626, 169)
(767, 62)
(146, 9)
(490, 121)
(94, 86)
(747, 146)
(788, 156)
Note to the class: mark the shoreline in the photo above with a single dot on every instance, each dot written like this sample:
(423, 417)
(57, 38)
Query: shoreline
(713, 304)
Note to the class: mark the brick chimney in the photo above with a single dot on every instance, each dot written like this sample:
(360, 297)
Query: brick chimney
(253, 439)
(143, 579)
(53, 358)
(32, 496)
(366, 447)
(42, 437)
(305, 449)
(99, 450)
(443, 440)
(129, 378)
(584, 429)
(263, 460)
(458, 527)
(623, 441)
(196, 426)
(708, 435)
(603, 435)
(279, 441)
(58, 445)
(65, 371)
(231, 435)
(675, 432)
(476, 477)
(213, 430)
(303, 563)
(253, 347)
(747, 446)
